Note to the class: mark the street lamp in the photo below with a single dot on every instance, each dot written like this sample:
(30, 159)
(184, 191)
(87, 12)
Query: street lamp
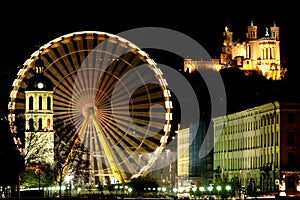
(175, 190)
(218, 189)
(78, 190)
(210, 188)
(129, 191)
(228, 188)
(116, 188)
(201, 188)
(194, 191)
(68, 180)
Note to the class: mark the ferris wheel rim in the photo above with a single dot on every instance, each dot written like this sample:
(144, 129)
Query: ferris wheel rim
(27, 65)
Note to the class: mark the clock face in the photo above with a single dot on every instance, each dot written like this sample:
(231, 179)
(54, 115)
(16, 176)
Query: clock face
(40, 85)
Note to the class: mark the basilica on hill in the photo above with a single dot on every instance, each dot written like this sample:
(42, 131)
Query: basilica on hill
(254, 146)
(257, 54)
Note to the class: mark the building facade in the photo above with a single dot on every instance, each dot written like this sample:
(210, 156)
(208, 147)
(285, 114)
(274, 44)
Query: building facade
(192, 170)
(260, 144)
(259, 54)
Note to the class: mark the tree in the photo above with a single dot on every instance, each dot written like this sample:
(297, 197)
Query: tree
(139, 184)
(34, 153)
(10, 154)
(266, 174)
(235, 185)
(38, 174)
(33, 142)
(36, 149)
(69, 155)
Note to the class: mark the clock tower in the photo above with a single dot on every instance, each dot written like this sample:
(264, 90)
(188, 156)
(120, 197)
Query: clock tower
(39, 134)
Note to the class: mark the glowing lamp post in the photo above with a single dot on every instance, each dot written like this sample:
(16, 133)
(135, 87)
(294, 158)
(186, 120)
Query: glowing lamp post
(201, 189)
(78, 190)
(116, 188)
(194, 191)
(219, 189)
(68, 180)
(175, 190)
(210, 188)
(228, 188)
(129, 191)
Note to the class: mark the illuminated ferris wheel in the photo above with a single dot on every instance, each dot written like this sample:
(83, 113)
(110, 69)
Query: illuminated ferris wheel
(112, 95)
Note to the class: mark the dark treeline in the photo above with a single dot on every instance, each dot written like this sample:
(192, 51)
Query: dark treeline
(11, 163)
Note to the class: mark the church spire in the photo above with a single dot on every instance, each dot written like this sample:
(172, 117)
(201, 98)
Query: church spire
(39, 65)
(251, 22)
(252, 31)
(274, 30)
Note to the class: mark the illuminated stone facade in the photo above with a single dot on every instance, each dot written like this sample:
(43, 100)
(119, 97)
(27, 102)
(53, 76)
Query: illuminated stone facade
(39, 135)
(190, 65)
(255, 54)
(193, 171)
(260, 143)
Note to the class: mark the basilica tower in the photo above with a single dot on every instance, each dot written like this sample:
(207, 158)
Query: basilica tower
(226, 53)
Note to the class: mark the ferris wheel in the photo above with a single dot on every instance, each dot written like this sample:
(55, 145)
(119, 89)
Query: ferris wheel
(112, 95)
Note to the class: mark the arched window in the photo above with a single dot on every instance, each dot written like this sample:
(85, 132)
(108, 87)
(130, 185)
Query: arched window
(48, 103)
(48, 124)
(40, 103)
(40, 124)
(30, 103)
(31, 125)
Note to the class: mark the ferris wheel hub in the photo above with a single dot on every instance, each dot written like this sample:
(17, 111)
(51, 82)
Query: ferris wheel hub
(89, 108)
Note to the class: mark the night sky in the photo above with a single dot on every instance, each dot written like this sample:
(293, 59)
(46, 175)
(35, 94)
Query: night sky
(24, 28)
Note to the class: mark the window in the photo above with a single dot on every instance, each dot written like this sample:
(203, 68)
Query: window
(30, 103)
(291, 138)
(48, 103)
(291, 158)
(31, 125)
(48, 124)
(291, 118)
(40, 103)
(40, 124)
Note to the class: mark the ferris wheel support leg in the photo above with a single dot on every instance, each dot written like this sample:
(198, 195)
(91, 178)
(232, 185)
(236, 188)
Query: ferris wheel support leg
(106, 147)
